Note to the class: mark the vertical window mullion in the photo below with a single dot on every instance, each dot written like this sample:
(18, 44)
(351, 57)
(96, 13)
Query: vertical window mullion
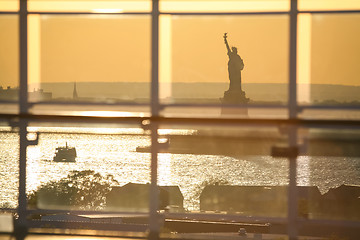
(154, 198)
(23, 64)
(23, 104)
(292, 108)
(292, 104)
(155, 59)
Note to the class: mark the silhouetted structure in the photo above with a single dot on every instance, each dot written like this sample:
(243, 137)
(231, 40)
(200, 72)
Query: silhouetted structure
(235, 94)
(12, 94)
(342, 202)
(39, 95)
(235, 65)
(75, 95)
(338, 203)
(134, 196)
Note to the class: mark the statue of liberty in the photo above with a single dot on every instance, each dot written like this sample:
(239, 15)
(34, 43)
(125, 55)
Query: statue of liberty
(235, 94)
(235, 65)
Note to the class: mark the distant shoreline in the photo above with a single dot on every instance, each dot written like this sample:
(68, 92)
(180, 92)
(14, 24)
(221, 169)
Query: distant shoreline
(257, 92)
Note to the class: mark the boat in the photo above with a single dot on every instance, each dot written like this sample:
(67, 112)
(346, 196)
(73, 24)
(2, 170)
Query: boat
(65, 154)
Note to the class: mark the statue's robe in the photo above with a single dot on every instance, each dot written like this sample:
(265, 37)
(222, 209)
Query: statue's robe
(235, 65)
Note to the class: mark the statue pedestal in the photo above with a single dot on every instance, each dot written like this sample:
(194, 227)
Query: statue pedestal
(234, 97)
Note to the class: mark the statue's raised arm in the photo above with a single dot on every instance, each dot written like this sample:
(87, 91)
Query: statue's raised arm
(226, 43)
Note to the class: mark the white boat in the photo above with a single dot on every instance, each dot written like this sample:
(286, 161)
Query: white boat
(65, 154)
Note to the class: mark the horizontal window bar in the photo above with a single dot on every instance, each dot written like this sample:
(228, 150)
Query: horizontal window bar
(226, 217)
(8, 12)
(41, 228)
(83, 212)
(340, 107)
(8, 102)
(146, 105)
(266, 106)
(192, 13)
(226, 13)
(185, 121)
(88, 13)
(162, 106)
(330, 222)
(328, 11)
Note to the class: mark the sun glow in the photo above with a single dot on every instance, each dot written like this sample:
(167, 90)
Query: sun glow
(107, 10)
(165, 57)
(6, 5)
(224, 6)
(34, 52)
(108, 114)
(176, 132)
(90, 6)
(304, 58)
(328, 4)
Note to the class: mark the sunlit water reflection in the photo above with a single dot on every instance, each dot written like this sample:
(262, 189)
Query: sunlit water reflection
(116, 154)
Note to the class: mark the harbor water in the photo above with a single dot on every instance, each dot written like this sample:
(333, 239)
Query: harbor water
(116, 154)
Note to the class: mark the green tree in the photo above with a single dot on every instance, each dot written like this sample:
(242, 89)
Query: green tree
(80, 189)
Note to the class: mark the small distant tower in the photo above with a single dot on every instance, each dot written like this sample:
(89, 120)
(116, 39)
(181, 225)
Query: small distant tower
(75, 95)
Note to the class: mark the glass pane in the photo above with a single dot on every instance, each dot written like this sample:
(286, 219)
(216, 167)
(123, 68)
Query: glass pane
(9, 62)
(328, 65)
(96, 6)
(88, 58)
(328, 5)
(195, 67)
(224, 6)
(9, 167)
(223, 169)
(9, 5)
(88, 167)
(330, 168)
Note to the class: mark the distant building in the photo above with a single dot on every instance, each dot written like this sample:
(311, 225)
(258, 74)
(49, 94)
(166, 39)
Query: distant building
(39, 95)
(257, 200)
(134, 196)
(9, 94)
(12, 94)
(338, 203)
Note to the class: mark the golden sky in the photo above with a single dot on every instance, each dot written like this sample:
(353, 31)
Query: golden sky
(117, 48)
(95, 49)
(9, 50)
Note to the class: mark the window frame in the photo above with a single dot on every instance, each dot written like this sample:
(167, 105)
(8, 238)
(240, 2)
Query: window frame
(22, 119)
